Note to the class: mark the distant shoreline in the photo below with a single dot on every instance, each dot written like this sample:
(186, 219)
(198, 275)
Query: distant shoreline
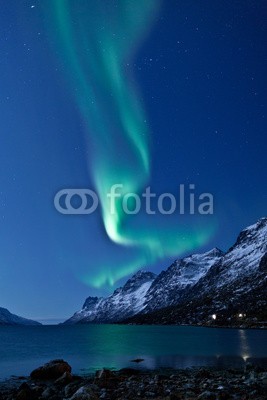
(261, 326)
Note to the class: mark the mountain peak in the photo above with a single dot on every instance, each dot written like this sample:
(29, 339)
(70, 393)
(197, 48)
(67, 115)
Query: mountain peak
(142, 274)
(256, 233)
(209, 257)
(260, 224)
(122, 303)
(216, 252)
(138, 279)
(90, 301)
(191, 279)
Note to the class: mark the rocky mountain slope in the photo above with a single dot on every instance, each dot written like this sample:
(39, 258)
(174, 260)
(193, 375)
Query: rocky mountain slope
(6, 318)
(209, 288)
(123, 303)
(233, 291)
(170, 285)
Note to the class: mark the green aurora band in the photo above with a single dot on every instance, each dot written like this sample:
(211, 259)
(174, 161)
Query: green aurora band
(98, 40)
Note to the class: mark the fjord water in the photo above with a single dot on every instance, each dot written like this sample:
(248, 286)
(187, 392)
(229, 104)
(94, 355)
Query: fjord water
(91, 347)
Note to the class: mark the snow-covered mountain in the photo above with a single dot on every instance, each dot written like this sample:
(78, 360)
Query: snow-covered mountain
(6, 318)
(192, 288)
(170, 285)
(146, 291)
(123, 303)
(233, 290)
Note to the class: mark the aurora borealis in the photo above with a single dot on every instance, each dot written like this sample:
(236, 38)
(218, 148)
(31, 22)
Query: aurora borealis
(98, 41)
(141, 93)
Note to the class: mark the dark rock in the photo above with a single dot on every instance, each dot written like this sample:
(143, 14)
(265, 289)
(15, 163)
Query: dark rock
(207, 396)
(189, 384)
(150, 394)
(48, 393)
(37, 391)
(51, 371)
(23, 395)
(70, 389)
(104, 374)
(137, 360)
(203, 374)
(176, 396)
(65, 379)
(84, 393)
(24, 392)
(249, 366)
(224, 396)
(24, 386)
(129, 371)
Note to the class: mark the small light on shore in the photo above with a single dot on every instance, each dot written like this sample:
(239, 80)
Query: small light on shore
(214, 316)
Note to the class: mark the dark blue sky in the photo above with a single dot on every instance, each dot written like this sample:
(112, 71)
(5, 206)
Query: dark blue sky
(202, 77)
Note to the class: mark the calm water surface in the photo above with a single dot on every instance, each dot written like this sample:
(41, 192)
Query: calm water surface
(91, 347)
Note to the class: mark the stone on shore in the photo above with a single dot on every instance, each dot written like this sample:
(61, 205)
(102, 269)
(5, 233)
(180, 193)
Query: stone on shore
(84, 393)
(129, 384)
(51, 371)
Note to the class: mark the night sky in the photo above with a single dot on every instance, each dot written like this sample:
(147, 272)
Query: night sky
(144, 93)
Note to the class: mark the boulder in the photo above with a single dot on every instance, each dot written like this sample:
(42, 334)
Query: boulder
(84, 393)
(64, 379)
(129, 371)
(48, 393)
(51, 371)
(24, 392)
(207, 396)
(203, 374)
(104, 374)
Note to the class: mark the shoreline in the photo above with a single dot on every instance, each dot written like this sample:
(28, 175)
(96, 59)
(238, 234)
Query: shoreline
(261, 327)
(246, 327)
(54, 381)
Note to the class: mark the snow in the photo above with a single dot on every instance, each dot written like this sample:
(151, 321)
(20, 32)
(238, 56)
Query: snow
(245, 256)
(147, 292)
(124, 302)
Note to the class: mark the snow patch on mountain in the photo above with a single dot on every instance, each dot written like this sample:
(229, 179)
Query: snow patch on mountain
(184, 273)
(195, 286)
(123, 303)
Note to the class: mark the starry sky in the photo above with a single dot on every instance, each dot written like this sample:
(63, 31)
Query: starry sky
(148, 93)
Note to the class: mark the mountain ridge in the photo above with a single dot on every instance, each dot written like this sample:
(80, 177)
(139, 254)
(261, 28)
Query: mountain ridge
(7, 318)
(203, 288)
(124, 302)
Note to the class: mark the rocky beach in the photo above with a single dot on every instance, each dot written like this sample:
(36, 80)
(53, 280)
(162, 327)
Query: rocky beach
(54, 381)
